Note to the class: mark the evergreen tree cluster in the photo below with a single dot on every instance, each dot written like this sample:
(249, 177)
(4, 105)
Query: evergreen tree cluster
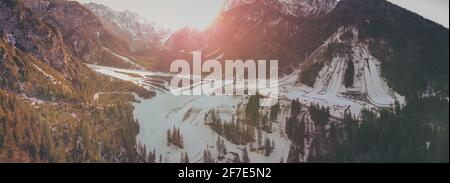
(296, 131)
(236, 158)
(221, 148)
(207, 156)
(274, 111)
(296, 108)
(144, 156)
(417, 132)
(252, 110)
(258, 119)
(269, 146)
(319, 114)
(245, 158)
(175, 137)
(295, 154)
(29, 134)
(22, 137)
(296, 125)
(234, 131)
(266, 124)
(184, 157)
(349, 74)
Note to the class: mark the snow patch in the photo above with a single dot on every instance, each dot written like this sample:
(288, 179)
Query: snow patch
(125, 59)
(11, 39)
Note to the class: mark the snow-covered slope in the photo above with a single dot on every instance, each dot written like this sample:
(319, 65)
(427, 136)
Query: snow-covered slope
(368, 85)
(165, 111)
(124, 59)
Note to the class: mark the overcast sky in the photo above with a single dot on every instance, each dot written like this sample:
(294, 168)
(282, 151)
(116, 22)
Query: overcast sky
(175, 14)
(436, 10)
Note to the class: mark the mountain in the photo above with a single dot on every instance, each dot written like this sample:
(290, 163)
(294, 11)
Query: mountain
(121, 40)
(296, 8)
(83, 33)
(353, 73)
(138, 32)
(34, 54)
(360, 81)
(49, 48)
(48, 108)
(265, 30)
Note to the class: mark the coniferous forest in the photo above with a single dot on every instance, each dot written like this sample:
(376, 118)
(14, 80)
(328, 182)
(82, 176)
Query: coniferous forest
(357, 82)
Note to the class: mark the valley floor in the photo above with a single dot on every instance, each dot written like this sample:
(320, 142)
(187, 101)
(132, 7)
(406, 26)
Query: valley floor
(166, 111)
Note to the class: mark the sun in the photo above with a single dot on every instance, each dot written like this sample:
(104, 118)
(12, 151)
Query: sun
(201, 13)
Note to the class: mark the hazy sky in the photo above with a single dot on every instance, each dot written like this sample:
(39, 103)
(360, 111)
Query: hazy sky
(175, 14)
(436, 10)
(172, 14)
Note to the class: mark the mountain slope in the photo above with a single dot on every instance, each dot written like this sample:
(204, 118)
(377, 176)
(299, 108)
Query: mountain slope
(83, 33)
(337, 97)
(35, 36)
(297, 8)
(138, 32)
(412, 50)
(47, 107)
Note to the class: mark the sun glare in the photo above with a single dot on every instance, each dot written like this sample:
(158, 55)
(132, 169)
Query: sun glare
(172, 14)
(202, 13)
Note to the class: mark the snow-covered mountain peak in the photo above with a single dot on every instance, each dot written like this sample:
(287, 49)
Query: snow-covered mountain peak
(129, 25)
(297, 8)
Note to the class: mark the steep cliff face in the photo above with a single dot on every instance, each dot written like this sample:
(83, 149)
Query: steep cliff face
(24, 31)
(37, 60)
(140, 34)
(81, 30)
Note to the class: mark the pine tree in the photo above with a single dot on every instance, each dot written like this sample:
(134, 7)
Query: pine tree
(182, 158)
(174, 135)
(266, 124)
(169, 137)
(301, 136)
(152, 157)
(181, 143)
(274, 110)
(250, 132)
(349, 74)
(295, 108)
(267, 147)
(252, 147)
(236, 159)
(245, 158)
(224, 147)
(186, 158)
(252, 109)
(270, 127)
(293, 155)
(219, 147)
(207, 157)
(260, 136)
(48, 151)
